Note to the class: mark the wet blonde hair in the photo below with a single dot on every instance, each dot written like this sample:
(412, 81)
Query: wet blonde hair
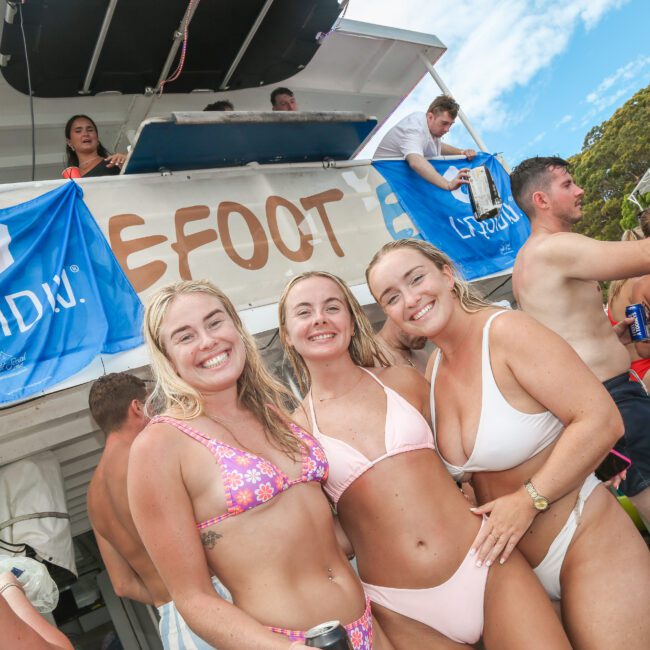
(470, 299)
(364, 349)
(635, 234)
(257, 390)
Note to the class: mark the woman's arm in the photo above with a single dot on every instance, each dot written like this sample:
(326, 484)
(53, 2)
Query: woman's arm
(549, 370)
(126, 582)
(163, 514)
(21, 626)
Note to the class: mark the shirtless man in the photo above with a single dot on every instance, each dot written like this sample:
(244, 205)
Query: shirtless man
(401, 348)
(116, 403)
(556, 278)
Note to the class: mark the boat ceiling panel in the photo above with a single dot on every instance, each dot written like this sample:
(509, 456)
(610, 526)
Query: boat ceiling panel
(227, 139)
(62, 35)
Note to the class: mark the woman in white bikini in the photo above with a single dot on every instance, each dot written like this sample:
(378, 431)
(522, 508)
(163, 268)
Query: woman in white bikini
(408, 522)
(516, 411)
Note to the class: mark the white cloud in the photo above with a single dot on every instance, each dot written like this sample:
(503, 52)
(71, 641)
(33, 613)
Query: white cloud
(538, 138)
(564, 120)
(493, 47)
(616, 84)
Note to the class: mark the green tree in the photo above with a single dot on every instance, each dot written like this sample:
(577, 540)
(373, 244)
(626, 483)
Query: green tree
(614, 157)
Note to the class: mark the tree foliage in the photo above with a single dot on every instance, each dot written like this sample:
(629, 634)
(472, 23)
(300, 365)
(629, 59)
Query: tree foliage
(614, 157)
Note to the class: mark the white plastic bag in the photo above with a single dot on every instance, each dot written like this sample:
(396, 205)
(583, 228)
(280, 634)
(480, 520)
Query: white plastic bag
(40, 589)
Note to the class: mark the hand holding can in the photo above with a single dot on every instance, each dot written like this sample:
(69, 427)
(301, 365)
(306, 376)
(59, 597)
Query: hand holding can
(639, 330)
(328, 636)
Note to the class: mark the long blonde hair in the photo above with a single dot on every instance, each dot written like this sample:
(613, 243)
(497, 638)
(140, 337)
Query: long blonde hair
(470, 299)
(615, 286)
(364, 349)
(257, 390)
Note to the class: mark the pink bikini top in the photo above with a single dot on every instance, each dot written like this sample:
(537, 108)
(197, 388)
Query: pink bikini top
(506, 437)
(406, 430)
(250, 480)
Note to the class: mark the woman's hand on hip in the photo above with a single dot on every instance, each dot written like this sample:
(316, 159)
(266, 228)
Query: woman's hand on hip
(509, 517)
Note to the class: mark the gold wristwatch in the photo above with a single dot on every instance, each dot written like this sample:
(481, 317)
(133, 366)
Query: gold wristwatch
(539, 502)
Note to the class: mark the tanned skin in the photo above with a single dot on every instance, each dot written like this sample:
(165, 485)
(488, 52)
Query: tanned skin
(129, 567)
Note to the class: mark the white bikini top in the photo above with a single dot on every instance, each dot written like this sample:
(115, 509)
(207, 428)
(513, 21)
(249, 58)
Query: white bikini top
(505, 436)
(405, 430)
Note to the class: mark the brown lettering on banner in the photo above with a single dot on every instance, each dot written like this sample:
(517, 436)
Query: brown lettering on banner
(141, 277)
(306, 248)
(186, 243)
(260, 242)
(318, 201)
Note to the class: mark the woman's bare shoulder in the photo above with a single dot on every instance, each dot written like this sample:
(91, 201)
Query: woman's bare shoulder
(408, 382)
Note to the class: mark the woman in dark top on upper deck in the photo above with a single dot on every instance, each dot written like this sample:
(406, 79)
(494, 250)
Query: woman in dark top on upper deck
(84, 151)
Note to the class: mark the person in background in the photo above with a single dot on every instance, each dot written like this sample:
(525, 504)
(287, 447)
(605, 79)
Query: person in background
(221, 105)
(556, 280)
(116, 403)
(84, 151)
(225, 483)
(632, 292)
(21, 626)
(283, 99)
(402, 349)
(418, 136)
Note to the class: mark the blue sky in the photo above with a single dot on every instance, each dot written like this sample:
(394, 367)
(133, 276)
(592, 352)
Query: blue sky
(533, 76)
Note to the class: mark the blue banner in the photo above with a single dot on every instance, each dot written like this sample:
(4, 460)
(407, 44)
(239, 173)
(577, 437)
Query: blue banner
(63, 297)
(445, 219)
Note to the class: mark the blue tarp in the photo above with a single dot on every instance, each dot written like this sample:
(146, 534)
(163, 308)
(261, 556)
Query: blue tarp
(63, 297)
(445, 219)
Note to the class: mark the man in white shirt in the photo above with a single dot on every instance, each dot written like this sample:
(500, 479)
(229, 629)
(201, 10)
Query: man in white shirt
(419, 136)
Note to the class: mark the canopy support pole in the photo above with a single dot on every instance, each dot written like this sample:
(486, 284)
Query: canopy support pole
(245, 45)
(99, 46)
(178, 37)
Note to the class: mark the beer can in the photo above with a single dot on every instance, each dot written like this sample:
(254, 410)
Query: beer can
(639, 330)
(329, 636)
(483, 193)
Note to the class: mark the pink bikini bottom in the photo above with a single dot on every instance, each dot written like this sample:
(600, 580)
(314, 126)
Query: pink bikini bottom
(454, 608)
(360, 631)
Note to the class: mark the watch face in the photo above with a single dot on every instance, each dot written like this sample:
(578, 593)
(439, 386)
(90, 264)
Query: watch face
(541, 503)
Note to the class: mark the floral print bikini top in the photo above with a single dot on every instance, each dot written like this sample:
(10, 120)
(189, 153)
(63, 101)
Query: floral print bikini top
(250, 480)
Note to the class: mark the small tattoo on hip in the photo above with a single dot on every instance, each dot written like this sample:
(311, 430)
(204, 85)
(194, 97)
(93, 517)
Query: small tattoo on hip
(210, 538)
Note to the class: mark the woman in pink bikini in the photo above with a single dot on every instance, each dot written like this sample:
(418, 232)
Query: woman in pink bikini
(516, 411)
(224, 483)
(633, 291)
(409, 524)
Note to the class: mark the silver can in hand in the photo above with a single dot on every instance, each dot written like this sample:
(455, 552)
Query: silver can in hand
(483, 193)
(329, 636)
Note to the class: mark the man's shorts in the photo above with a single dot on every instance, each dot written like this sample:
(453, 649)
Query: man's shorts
(634, 405)
(174, 631)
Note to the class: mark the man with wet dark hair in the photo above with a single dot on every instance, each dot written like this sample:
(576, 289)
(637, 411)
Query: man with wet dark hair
(556, 279)
(419, 136)
(116, 402)
(283, 99)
